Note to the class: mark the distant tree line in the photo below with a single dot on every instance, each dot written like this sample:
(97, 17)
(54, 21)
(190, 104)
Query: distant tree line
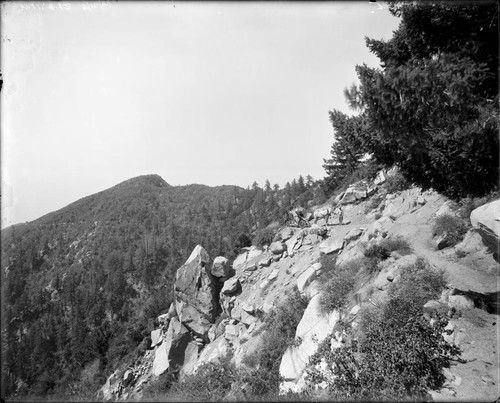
(81, 287)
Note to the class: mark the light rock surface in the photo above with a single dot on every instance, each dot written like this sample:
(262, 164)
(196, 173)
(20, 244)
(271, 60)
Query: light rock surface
(231, 286)
(308, 276)
(220, 268)
(486, 219)
(212, 352)
(312, 329)
(171, 351)
(331, 245)
(277, 247)
(155, 337)
(194, 292)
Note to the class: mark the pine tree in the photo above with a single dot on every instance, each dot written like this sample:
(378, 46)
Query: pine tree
(347, 149)
(433, 107)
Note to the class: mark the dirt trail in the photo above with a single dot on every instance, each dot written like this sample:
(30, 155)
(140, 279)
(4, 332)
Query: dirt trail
(476, 331)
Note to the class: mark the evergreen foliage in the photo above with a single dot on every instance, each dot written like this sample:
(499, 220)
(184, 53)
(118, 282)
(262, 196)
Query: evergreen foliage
(347, 150)
(82, 286)
(395, 354)
(433, 106)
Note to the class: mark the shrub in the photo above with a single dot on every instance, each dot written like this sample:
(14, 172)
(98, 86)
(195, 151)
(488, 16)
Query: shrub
(159, 388)
(337, 283)
(264, 236)
(450, 227)
(397, 183)
(418, 284)
(280, 326)
(397, 244)
(376, 252)
(287, 315)
(374, 203)
(211, 382)
(398, 355)
(468, 204)
(382, 250)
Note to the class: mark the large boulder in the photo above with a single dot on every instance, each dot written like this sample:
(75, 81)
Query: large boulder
(220, 268)
(193, 319)
(277, 247)
(380, 178)
(247, 255)
(353, 194)
(195, 292)
(318, 230)
(216, 350)
(190, 359)
(231, 286)
(308, 276)
(331, 245)
(312, 329)
(155, 337)
(171, 351)
(486, 219)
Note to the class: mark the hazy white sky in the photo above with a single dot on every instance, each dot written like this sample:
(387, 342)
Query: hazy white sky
(215, 93)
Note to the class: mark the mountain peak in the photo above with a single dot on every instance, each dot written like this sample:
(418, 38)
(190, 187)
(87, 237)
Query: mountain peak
(151, 179)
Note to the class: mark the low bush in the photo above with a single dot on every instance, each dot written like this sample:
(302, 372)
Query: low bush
(397, 244)
(468, 204)
(264, 236)
(418, 284)
(374, 203)
(398, 355)
(336, 284)
(211, 382)
(382, 250)
(280, 326)
(450, 227)
(376, 252)
(396, 183)
(158, 388)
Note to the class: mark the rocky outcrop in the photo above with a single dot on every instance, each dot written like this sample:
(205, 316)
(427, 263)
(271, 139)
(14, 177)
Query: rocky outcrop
(195, 293)
(220, 267)
(172, 350)
(219, 306)
(486, 219)
(313, 328)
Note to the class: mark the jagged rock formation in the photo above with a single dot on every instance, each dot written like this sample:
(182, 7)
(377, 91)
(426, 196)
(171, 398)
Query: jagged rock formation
(195, 293)
(487, 220)
(217, 307)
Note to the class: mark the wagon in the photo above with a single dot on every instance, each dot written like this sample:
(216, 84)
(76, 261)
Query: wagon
(296, 218)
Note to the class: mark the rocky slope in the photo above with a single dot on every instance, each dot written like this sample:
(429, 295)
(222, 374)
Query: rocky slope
(218, 308)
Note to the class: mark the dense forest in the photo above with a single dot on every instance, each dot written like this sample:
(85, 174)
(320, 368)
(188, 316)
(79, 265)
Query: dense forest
(82, 286)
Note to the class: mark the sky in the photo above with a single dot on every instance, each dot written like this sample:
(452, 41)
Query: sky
(214, 93)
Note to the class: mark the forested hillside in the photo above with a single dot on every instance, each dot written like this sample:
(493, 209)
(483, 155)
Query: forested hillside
(81, 286)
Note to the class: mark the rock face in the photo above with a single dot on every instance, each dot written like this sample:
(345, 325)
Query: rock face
(308, 276)
(487, 221)
(195, 293)
(171, 352)
(313, 328)
(195, 331)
